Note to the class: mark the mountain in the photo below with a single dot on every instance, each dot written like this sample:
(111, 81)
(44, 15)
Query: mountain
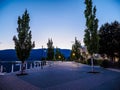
(36, 54)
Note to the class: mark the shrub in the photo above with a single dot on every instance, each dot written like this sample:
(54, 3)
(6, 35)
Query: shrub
(81, 61)
(117, 64)
(99, 61)
(95, 62)
(88, 61)
(105, 63)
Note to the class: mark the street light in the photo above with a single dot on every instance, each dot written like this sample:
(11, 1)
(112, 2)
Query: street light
(73, 54)
(59, 57)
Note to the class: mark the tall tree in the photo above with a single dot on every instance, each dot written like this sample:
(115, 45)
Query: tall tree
(75, 53)
(50, 51)
(110, 39)
(23, 43)
(59, 55)
(91, 37)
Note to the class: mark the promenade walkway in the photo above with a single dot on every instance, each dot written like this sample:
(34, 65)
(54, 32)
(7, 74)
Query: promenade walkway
(62, 76)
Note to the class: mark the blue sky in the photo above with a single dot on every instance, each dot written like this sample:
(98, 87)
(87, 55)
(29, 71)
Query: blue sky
(61, 20)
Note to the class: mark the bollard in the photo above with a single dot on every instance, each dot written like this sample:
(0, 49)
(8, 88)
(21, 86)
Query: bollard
(12, 69)
(1, 69)
(34, 64)
(26, 65)
(30, 65)
(20, 68)
(39, 64)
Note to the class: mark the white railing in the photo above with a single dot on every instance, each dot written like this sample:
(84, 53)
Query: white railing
(28, 65)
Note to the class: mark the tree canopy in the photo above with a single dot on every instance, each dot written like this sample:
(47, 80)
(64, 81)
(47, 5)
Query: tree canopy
(110, 39)
(91, 38)
(50, 50)
(59, 55)
(23, 43)
(75, 53)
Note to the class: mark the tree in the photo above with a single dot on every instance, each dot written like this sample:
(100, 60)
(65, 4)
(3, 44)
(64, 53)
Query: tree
(75, 53)
(50, 51)
(23, 43)
(91, 37)
(59, 55)
(110, 39)
(115, 36)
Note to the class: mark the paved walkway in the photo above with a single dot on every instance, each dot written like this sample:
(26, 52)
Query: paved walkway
(116, 70)
(62, 76)
(9, 82)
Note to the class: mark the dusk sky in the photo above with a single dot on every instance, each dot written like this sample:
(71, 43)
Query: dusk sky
(61, 20)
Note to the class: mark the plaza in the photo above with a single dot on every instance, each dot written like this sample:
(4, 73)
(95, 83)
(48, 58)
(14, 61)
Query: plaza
(60, 75)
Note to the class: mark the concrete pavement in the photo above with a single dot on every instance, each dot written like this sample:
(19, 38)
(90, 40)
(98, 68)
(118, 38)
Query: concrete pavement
(62, 76)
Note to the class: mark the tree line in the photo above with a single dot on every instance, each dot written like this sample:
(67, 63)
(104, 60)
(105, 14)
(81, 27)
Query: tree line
(109, 42)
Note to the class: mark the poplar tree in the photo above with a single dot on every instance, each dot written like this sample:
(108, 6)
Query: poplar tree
(23, 43)
(50, 50)
(75, 53)
(59, 55)
(91, 37)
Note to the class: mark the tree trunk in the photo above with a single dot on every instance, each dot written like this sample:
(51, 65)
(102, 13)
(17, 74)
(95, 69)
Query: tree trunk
(22, 67)
(119, 57)
(92, 64)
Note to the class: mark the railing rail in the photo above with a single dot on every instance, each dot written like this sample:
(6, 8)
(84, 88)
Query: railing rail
(13, 66)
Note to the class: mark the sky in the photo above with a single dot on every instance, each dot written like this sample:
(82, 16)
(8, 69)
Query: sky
(61, 20)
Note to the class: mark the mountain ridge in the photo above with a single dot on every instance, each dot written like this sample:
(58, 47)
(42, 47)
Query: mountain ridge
(36, 54)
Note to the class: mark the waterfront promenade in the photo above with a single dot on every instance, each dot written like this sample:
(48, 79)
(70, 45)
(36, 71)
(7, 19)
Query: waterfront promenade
(62, 76)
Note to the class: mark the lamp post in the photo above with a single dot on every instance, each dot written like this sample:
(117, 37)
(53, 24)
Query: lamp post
(42, 58)
(42, 52)
(43, 62)
(45, 56)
